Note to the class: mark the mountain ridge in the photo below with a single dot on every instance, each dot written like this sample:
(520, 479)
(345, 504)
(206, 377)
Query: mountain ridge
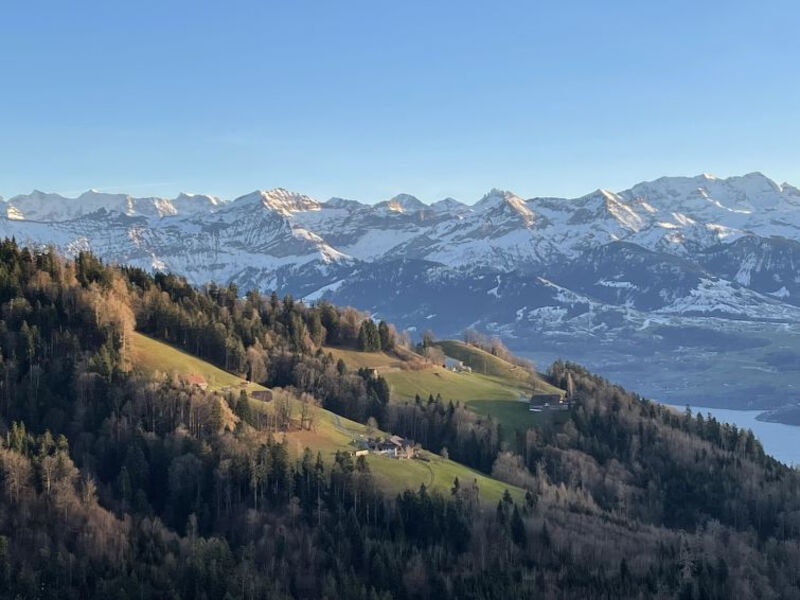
(753, 176)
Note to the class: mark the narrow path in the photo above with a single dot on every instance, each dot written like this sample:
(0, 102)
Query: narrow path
(337, 423)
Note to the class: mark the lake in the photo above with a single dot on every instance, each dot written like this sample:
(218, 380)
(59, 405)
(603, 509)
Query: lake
(779, 440)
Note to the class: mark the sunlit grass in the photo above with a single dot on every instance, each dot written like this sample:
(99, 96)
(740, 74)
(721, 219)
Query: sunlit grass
(330, 433)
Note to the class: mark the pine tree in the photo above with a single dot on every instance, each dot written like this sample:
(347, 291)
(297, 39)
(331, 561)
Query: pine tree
(369, 339)
(518, 534)
(243, 410)
(386, 335)
(363, 338)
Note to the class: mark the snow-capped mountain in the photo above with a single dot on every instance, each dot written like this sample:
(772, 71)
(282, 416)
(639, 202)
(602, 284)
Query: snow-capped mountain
(40, 206)
(451, 206)
(679, 266)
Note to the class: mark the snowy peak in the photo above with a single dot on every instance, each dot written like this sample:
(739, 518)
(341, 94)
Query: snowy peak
(41, 206)
(500, 201)
(755, 182)
(343, 203)
(403, 203)
(492, 199)
(93, 200)
(790, 190)
(450, 205)
(279, 200)
(38, 206)
(185, 203)
(676, 215)
(706, 194)
(610, 205)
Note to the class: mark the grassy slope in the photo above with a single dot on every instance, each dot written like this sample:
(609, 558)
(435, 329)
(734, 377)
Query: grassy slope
(484, 394)
(493, 388)
(354, 359)
(509, 412)
(332, 432)
(487, 364)
(151, 355)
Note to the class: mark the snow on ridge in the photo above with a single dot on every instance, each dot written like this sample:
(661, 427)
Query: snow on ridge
(51, 207)
(450, 205)
(675, 215)
(278, 200)
(320, 292)
(186, 202)
(405, 203)
(718, 296)
(328, 253)
(499, 199)
(617, 284)
(343, 203)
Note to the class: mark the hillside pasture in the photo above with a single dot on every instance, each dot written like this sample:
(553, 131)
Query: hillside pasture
(330, 432)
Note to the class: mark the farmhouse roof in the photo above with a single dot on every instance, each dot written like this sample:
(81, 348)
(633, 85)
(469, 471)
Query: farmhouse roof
(195, 379)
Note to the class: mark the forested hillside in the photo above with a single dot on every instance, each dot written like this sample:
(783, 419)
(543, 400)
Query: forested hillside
(120, 482)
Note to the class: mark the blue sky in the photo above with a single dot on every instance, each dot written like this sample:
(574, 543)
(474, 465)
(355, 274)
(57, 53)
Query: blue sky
(369, 99)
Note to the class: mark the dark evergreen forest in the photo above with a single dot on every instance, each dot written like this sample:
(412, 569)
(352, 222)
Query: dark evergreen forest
(116, 484)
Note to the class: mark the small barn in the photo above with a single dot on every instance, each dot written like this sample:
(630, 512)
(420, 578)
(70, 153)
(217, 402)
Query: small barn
(542, 402)
(196, 380)
(453, 364)
(393, 446)
(385, 447)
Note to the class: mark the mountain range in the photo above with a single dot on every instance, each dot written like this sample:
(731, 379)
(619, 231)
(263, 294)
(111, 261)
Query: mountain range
(686, 288)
